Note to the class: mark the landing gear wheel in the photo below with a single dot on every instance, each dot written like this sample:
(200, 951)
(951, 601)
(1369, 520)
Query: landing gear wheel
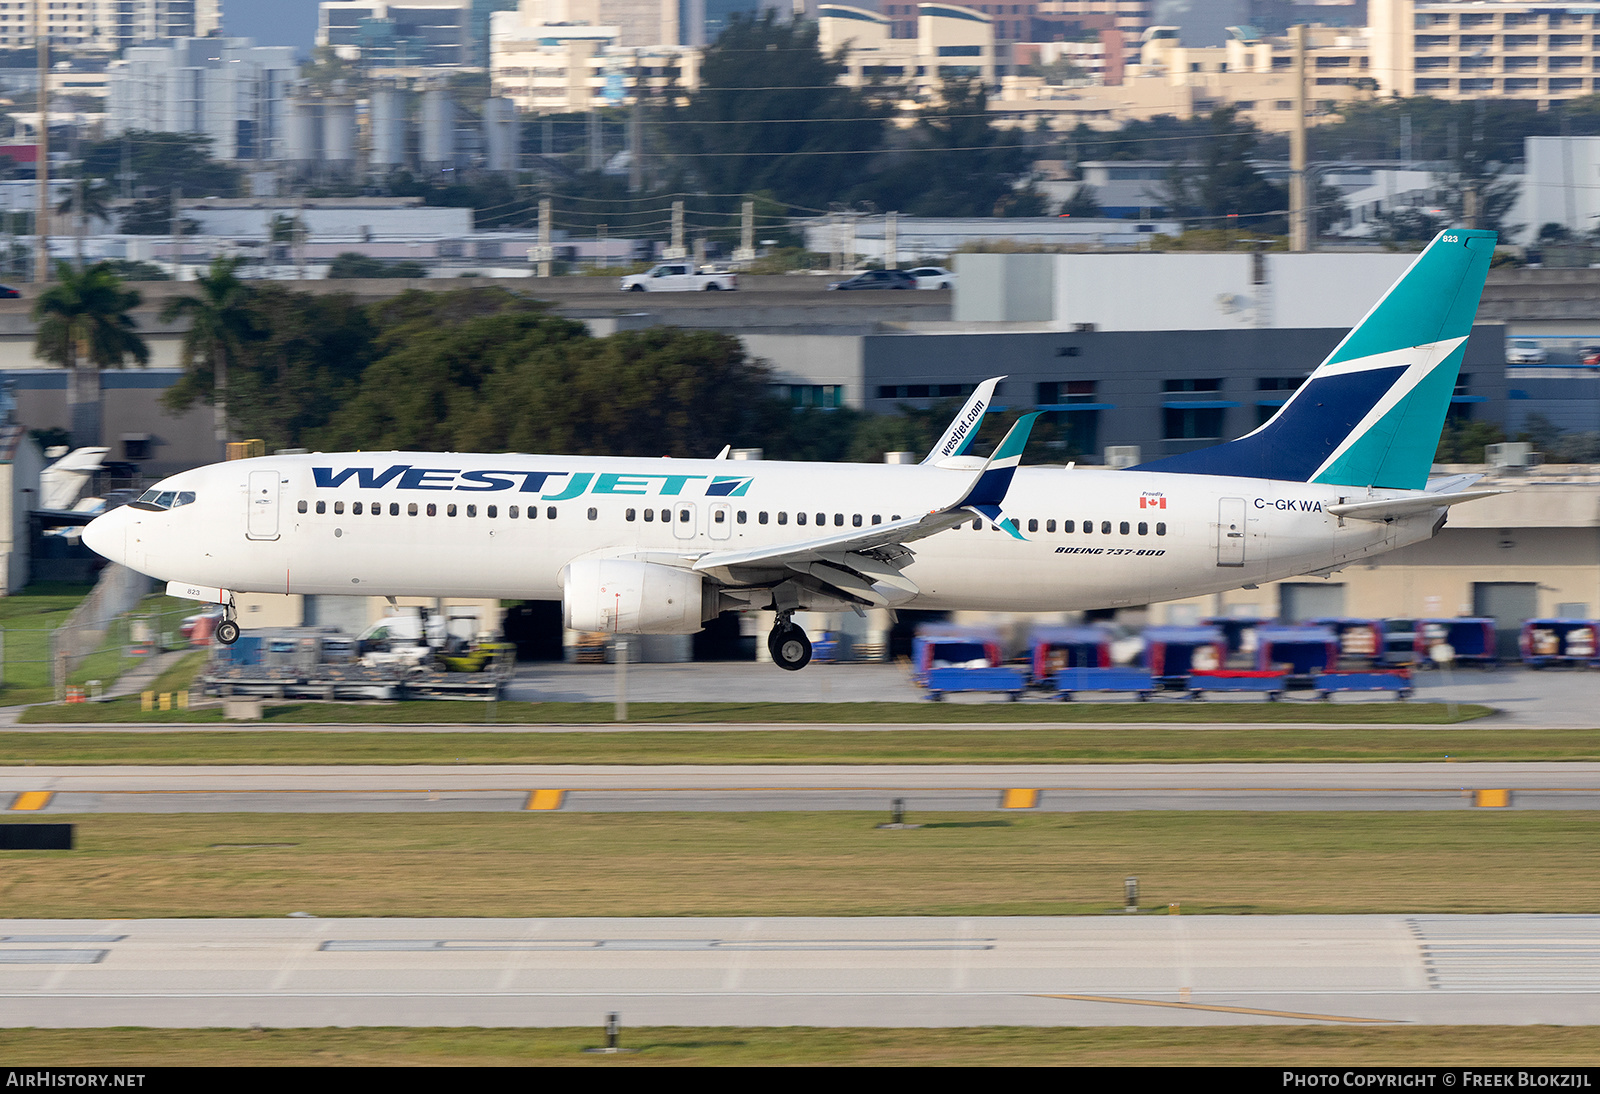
(790, 648)
(227, 632)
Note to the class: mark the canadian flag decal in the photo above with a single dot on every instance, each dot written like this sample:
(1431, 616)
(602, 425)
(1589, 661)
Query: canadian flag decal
(1147, 502)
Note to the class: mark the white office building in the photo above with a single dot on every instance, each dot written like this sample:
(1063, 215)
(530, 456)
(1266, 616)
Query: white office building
(229, 89)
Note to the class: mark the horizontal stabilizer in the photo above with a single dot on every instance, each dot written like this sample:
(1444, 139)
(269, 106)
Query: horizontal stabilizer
(1410, 506)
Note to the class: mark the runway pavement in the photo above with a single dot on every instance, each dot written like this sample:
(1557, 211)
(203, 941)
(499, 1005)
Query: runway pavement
(1106, 970)
(41, 791)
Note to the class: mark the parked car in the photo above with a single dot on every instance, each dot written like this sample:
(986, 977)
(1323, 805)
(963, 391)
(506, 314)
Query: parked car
(933, 277)
(1589, 355)
(877, 279)
(1525, 351)
(8, 293)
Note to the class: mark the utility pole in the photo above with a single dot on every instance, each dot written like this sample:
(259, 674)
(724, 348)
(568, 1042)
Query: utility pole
(595, 151)
(543, 253)
(41, 259)
(676, 250)
(747, 233)
(891, 241)
(175, 226)
(1299, 207)
(635, 132)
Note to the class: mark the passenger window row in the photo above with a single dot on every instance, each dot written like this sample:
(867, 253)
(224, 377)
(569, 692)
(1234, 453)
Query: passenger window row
(1069, 526)
(431, 509)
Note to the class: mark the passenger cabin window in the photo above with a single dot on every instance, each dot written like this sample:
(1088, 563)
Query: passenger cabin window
(449, 510)
(1161, 529)
(433, 510)
(491, 511)
(799, 518)
(472, 511)
(411, 509)
(649, 515)
(594, 514)
(550, 512)
(394, 509)
(1105, 528)
(1144, 528)
(630, 514)
(355, 509)
(1069, 526)
(761, 517)
(511, 511)
(302, 506)
(855, 521)
(1123, 528)
(783, 518)
(338, 508)
(322, 507)
(1033, 526)
(720, 516)
(742, 516)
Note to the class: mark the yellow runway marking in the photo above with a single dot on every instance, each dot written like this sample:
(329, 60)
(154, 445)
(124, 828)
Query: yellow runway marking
(1492, 799)
(31, 799)
(1019, 799)
(1224, 1010)
(545, 799)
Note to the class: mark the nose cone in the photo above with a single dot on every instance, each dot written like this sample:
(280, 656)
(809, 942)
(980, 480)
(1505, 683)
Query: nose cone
(103, 536)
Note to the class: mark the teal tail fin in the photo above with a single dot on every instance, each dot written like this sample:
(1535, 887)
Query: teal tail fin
(1372, 413)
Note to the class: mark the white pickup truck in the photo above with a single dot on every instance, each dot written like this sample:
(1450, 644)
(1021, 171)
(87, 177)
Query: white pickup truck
(678, 277)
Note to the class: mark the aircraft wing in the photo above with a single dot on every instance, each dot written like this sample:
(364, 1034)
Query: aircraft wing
(1394, 508)
(865, 563)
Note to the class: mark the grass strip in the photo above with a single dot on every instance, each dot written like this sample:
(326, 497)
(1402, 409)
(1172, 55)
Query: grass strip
(801, 745)
(734, 1046)
(805, 864)
(518, 713)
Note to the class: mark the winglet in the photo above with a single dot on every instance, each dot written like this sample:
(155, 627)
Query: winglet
(988, 491)
(963, 430)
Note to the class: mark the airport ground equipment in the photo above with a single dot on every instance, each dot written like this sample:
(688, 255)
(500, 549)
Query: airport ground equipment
(1546, 642)
(1266, 682)
(1299, 653)
(1172, 653)
(1239, 635)
(1361, 641)
(949, 646)
(1001, 678)
(1399, 641)
(1471, 639)
(1069, 681)
(1395, 680)
(321, 663)
(1054, 649)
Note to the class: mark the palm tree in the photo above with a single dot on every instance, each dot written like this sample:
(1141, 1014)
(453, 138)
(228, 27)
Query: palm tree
(90, 199)
(218, 323)
(84, 326)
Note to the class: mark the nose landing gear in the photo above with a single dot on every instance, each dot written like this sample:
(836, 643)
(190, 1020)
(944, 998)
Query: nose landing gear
(227, 630)
(789, 646)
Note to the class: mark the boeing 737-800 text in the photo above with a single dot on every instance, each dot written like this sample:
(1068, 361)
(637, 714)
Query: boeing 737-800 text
(657, 546)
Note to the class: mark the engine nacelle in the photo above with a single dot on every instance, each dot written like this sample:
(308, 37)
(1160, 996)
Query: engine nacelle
(622, 596)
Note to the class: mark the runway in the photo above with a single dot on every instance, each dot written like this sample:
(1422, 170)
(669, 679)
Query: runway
(41, 791)
(1105, 970)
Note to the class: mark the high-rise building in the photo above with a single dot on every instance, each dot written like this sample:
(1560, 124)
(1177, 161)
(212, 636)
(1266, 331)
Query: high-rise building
(1455, 49)
(109, 24)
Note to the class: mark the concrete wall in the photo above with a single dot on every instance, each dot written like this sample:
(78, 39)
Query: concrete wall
(1005, 288)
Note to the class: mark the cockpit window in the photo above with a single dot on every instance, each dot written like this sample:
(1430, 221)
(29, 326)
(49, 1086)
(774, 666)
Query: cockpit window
(161, 500)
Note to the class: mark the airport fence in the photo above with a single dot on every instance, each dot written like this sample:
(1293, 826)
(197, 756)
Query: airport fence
(57, 638)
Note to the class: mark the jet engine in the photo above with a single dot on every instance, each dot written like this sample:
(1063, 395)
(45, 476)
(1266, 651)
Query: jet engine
(622, 596)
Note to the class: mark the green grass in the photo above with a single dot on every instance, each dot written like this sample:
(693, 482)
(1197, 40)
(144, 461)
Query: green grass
(154, 865)
(28, 620)
(732, 1046)
(519, 713)
(802, 745)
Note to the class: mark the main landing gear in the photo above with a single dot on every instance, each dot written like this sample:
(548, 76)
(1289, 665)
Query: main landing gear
(789, 646)
(227, 630)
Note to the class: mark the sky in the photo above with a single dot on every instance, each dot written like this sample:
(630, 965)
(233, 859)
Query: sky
(272, 22)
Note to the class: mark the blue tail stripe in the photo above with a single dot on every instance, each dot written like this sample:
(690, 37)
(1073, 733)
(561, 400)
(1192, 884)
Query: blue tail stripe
(1292, 446)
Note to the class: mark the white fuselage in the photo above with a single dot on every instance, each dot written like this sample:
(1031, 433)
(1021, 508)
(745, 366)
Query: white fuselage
(279, 525)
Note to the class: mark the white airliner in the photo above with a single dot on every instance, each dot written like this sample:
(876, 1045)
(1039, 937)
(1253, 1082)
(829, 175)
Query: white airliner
(661, 546)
